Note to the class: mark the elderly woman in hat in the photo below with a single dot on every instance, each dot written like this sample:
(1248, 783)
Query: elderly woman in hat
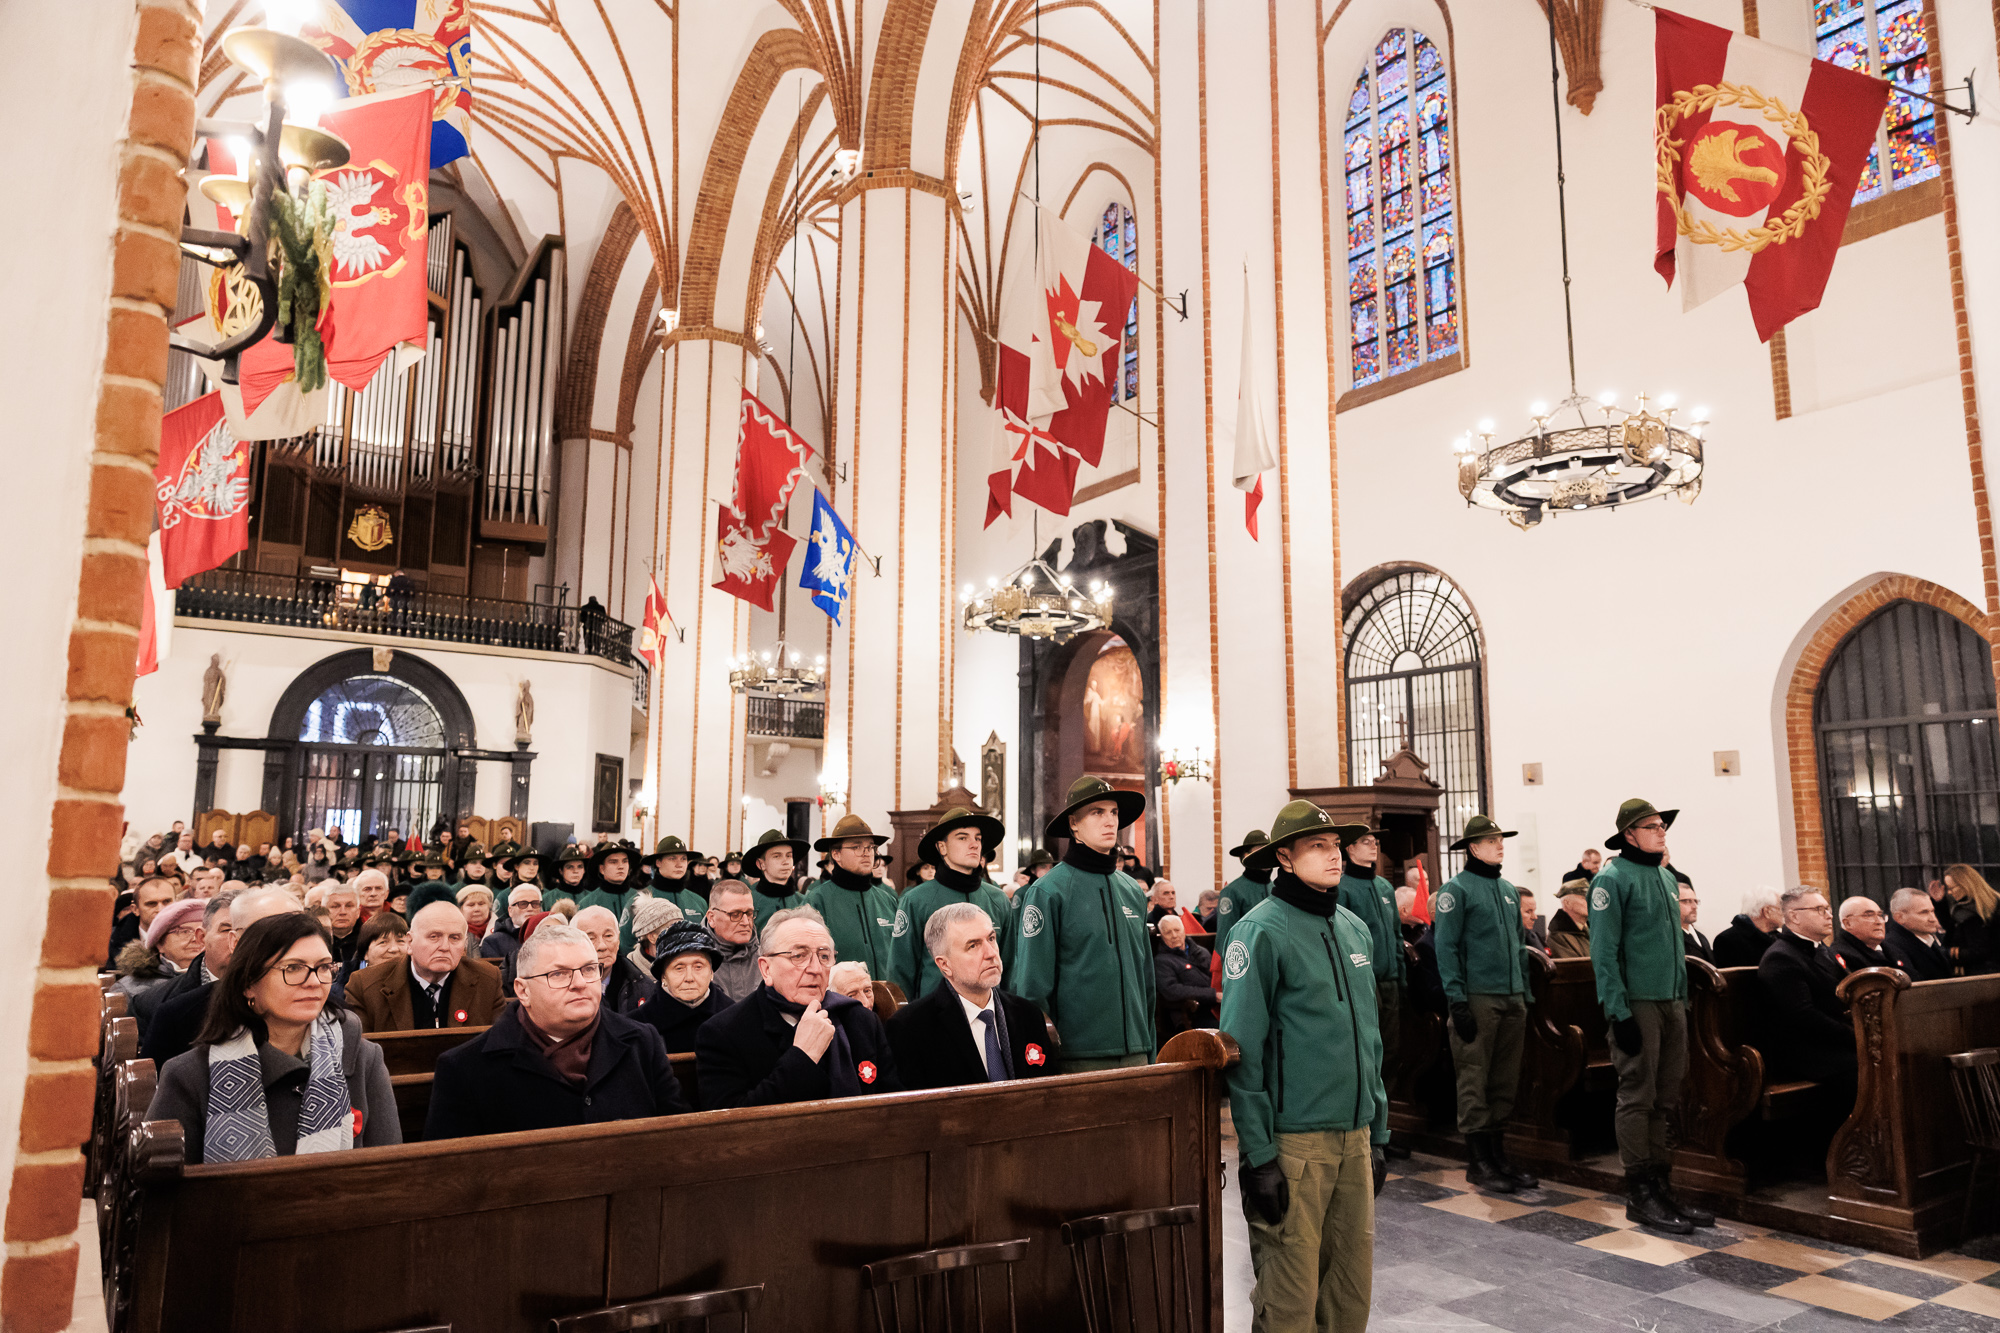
(650, 919)
(171, 942)
(476, 901)
(687, 958)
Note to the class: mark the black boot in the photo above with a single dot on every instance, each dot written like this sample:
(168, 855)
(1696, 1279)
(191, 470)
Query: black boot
(1497, 1142)
(1694, 1216)
(1395, 1152)
(1645, 1205)
(1481, 1171)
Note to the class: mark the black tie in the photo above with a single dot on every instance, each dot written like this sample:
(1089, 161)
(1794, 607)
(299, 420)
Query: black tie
(431, 993)
(996, 1068)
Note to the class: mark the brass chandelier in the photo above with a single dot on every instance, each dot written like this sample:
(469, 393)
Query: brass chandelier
(776, 672)
(1037, 603)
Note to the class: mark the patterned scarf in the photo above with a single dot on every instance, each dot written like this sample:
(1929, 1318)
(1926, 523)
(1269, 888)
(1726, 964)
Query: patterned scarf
(239, 1125)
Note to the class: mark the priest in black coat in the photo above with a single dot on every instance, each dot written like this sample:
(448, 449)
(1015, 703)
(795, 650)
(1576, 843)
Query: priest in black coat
(966, 1029)
(793, 1039)
(1805, 1031)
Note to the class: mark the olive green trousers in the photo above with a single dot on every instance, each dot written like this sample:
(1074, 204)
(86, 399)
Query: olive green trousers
(1315, 1269)
(1489, 1066)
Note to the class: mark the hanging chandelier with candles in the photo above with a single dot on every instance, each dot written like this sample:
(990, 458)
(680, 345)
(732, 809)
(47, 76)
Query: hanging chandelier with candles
(776, 672)
(1037, 603)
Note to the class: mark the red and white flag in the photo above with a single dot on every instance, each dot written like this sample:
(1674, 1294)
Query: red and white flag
(381, 230)
(653, 628)
(1060, 354)
(1254, 455)
(770, 459)
(202, 488)
(1759, 152)
(746, 565)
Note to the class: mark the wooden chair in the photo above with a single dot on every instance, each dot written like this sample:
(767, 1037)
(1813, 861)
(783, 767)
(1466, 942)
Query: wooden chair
(665, 1312)
(1104, 1281)
(1975, 1077)
(927, 1275)
(118, 1043)
(888, 999)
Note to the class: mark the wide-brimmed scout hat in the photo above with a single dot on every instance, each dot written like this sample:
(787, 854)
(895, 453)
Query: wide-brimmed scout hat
(571, 852)
(991, 833)
(1252, 840)
(475, 853)
(1479, 826)
(1579, 887)
(1631, 813)
(606, 850)
(1037, 859)
(672, 846)
(850, 826)
(773, 838)
(1293, 822)
(1082, 792)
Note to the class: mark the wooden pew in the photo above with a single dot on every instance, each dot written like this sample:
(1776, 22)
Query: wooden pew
(1552, 1060)
(797, 1198)
(131, 1153)
(1900, 1164)
(417, 1052)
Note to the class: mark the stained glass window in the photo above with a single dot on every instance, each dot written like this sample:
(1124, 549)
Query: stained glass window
(1402, 244)
(1886, 38)
(1118, 236)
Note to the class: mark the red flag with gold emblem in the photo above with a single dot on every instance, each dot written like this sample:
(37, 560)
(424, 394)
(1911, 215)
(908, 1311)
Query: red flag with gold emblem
(202, 488)
(1759, 150)
(381, 225)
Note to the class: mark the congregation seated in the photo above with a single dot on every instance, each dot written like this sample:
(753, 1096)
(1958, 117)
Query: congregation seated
(852, 980)
(170, 943)
(1743, 943)
(688, 954)
(436, 986)
(1805, 1033)
(504, 940)
(343, 919)
(1858, 942)
(967, 1029)
(650, 919)
(732, 919)
(174, 1027)
(274, 1071)
(1913, 937)
(793, 1039)
(558, 1057)
(1569, 928)
(200, 971)
(627, 990)
(1181, 976)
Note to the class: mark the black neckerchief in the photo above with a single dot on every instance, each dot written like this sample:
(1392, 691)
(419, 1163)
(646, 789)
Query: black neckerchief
(1261, 875)
(850, 881)
(1639, 858)
(962, 881)
(1289, 888)
(1483, 869)
(770, 890)
(1353, 871)
(845, 1078)
(1094, 863)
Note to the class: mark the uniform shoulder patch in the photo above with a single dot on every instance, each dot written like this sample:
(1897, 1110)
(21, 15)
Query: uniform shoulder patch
(1031, 921)
(1445, 902)
(1236, 960)
(1600, 898)
(902, 926)
(1227, 906)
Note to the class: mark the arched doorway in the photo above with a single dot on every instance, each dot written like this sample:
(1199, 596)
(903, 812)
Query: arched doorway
(1413, 679)
(1101, 727)
(372, 746)
(1909, 768)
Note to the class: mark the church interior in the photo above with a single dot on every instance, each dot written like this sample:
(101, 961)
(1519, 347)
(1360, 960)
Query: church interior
(804, 411)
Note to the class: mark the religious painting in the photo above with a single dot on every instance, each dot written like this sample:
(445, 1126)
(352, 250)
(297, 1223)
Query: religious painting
(1114, 713)
(607, 806)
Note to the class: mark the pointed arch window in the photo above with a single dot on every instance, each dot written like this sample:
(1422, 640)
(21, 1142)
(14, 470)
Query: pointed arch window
(1886, 38)
(1118, 236)
(1402, 224)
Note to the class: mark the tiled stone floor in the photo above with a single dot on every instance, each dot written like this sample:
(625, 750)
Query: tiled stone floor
(1564, 1260)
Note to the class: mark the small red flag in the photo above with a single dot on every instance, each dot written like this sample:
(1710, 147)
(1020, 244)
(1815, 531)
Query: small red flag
(202, 488)
(652, 633)
(1250, 503)
(745, 566)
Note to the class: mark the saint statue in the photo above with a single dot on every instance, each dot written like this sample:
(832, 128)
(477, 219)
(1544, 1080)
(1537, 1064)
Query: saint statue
(524, 714)
(214, 688)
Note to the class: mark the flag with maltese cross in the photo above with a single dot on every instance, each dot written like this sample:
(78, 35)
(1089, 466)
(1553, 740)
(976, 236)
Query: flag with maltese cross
(828, 571)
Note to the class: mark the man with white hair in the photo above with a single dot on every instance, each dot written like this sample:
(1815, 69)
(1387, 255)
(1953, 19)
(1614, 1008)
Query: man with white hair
(557, 1058)
(853, 981)
(626, 989)
(795, 1039)
(437, 987)
(967, 1030)
(1913, 938)
(174, 1026)
(343, 918)
(1744, 942)
(503, 941)
(1858, 942)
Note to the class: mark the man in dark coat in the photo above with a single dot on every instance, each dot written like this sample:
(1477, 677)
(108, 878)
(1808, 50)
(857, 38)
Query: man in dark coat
(1181, 975)
(793, 1039)
(1693, 942)
(967, 1030)
(436, 987)
(1746, 938)
(1858, 942)
(1913, 938)
(627, 990)
(1805, 1029)
(557, 1058)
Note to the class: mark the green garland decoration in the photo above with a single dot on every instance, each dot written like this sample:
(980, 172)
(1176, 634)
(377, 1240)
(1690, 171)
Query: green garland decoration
(302, 252)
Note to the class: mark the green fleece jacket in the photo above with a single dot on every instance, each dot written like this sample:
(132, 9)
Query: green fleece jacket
(1480, 948)
(858, 919)
(1636, 946)
(1373, 899)
(1082, 955)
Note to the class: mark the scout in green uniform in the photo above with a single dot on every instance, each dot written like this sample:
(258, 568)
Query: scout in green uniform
(429, 884)
(525, 864)
(472, 866)
(1039, 863)
(1481, 958)
(955, 847)
(672, 881)
(768, 870)
(614, 886)
(859, 912)
(572, 877)
(1081, 950)
(1373, 899)
(1307, 1099)
(1638, 954)
(1242, 893)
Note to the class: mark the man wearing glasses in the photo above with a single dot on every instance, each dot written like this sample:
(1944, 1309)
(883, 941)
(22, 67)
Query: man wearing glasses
(795, 1039)
(1858, 943)
(1639, 958)
(732, 918)
(557, 1058)
(1805, 1029)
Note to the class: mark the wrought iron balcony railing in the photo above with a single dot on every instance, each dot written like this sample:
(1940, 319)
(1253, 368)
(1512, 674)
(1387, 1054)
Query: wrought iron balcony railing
(785, 719)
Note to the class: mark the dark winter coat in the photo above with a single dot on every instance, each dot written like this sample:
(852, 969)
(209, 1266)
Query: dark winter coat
(746, 1058)
(934, 1045)
(500, 1081)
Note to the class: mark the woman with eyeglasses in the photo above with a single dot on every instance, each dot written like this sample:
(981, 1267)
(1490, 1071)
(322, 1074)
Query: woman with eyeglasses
(273, 1073)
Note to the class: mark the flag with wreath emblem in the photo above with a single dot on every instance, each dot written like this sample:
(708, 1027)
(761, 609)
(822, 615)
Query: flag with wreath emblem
(1758, 150)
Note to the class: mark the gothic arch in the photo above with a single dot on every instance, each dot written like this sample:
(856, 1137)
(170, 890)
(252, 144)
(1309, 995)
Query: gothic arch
(579, 388)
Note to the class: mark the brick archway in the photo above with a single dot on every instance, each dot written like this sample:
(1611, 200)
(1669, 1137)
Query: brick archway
(1801, 744)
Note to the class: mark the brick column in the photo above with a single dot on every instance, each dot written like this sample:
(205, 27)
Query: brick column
(38, 1281)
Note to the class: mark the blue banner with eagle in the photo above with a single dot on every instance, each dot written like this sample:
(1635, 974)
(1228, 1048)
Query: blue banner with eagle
(828, 573)
(394, 45)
